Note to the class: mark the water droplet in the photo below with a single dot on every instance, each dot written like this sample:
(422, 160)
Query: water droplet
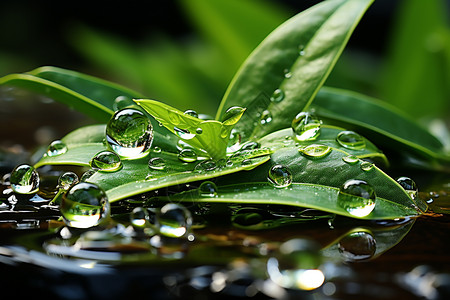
(357, 246)
(266, 117)
(351, 140)
(409, 185)
(367, 166)
(301, 50)
(287, 74)
(129, 133)
(84, 205)
(183, 133)
(191, 113)
(357, 197)
(187, 155)
(66, 180)
(249, 146)
(277, 96)
(106, 161)
(174, 118)
(350, 159)
(157, 163)
(246, 162)
(86, 175)
(156, 149)
(232, 115)
(206, 166)
(234, 142)
(306, 126)
(207, 189)
(280, 176)
(56, 148)
(174, 220)
(24, 180)
(316, 151)
(121, 102)
(139, 217)
(198, 130)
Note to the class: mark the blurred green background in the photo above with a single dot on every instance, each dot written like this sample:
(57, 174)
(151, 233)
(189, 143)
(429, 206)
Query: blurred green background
(185, 52)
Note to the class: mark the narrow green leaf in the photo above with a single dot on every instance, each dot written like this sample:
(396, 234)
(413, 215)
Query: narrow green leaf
(306, 47)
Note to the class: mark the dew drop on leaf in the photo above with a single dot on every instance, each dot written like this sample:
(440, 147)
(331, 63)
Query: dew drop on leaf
(287, 74)
(280, 176)
(301, 50)
(350, 159)
(157, 163)
(183, 133)
(56, 148)
(409, 186)
(106, 161)
(24, 179)
(206, 166)
(367, 166)
(187, 155)
(129, 133)
(357, 197)
(156, 149)
(121, 102)
(232, 115)
(174, 220)
(198, 130)
(351, 140)
(277, 95)
(207, 189)
(249, 146)
(191, 113)
(357, 246)
(266, 117)
(67, 180)
(84, 205)
(316, 151)
(306, 126)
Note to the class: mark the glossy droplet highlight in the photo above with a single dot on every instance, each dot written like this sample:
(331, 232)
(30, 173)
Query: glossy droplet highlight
(106, 161)
(357, 197)
(206, 166)
(121, 102)
(174, 220)
(157, 163)
(232, 115)
(56, 148)
(191, 113)
(66, 180)
(306, 126)
(280, 176)
(139, 217)
(301, 50)
(84, 205)
(187, 155)
(24, 179)
(351, 140)
(266, 117)
(277, 95)
(207, 189)
(366, 166)
(316, 151)
(129, 133)
(350, 159)
(183, 133)
(409, 186)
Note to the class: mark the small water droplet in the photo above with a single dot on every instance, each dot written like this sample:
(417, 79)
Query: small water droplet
(280, 176)
(191, 113)
(234, 142)
(366, 166)
(409, 186)
(24, 179)
(56, 148)
(183, 133)
(357, 197)
(207, 189)
(106, 161)
(199, 130)
(249, 146)
(67, 180)
(174, 118)
(277, 96)
(351, 140)
(287, 74)
(156, 149)
(306, 126)
(86, 175)
(139, 217)
(301, 50)
(129, 133)
(187, 155)
(84, 205)
(357, 246)
(350, 159)
(157, 163)
(246, 162)
(316, 151)
(266, 117)
(174, 220)
(232, 115)
(121, 102)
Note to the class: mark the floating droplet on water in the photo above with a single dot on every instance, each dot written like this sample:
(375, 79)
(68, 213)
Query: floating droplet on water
(232, 115)
(183, 133)
(409, 186)
(351, 140)
(187, 155)
(191, 113)
(367, 166)
(24, 180)
(316, 150)
(174, 220)
(157, 163)
(207, 189)
(121, 102)
(357, 197)
(266, 117)
(357, 246)
(306, 126)
(280, 176)
(66, 180)
(129, 133)
(84, 205)
(139, 217)
(56, 148)
(277, 95)
(106, 161)
(350, 159)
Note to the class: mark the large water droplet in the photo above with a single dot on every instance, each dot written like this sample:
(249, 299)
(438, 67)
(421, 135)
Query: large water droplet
(66, 180)
(350, 159)
(357, 197)
(351, 140)
(207, 189)
(306, 126)
(174, 220)
(357, 246)
(316, 151)
(266, 117)
(232, 115)
(187, 155)
(84, 205)
(129, 133)
(24, 180)
(191, 113)
(409, 185)
(277, 96)
(280, 176)
(106, 161)
(56, 148)
(184, 133)
(366, 166)
(157, 163)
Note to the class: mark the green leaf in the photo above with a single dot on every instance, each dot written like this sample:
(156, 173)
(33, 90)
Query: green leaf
(307, 47)
(386, 125)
